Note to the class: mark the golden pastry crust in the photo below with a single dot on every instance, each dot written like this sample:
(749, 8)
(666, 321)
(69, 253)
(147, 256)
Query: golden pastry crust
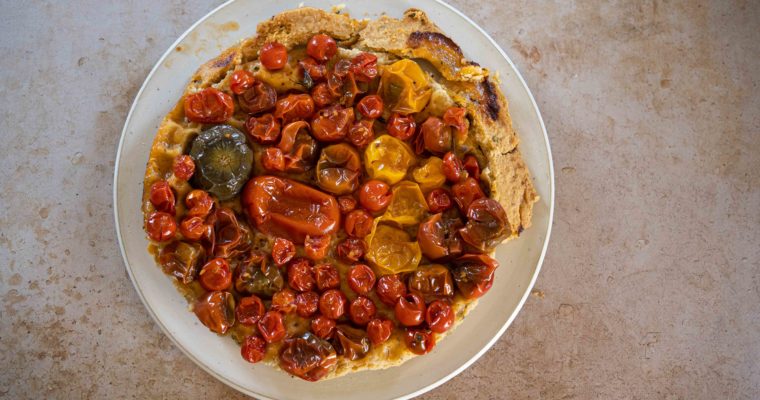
(460, 82)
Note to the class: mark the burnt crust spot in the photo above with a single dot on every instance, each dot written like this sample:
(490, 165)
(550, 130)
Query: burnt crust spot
(417, 39)
(221, 63)
(491, 99)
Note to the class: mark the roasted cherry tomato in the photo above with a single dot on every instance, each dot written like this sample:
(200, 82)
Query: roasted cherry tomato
(338, 169)
(370, 106)
(401, 126)
(294, 107)
(282, 207)
(231, 238)
(472, 167)
(389, 289)
(350, 342)
(392, 250)
(301, 275)
(342, 68)
(273, 56)
(322, 95)
(209, 106)
(432, 282)
(346, 204)
(439, 200)
(364, 67)
(436, 136)
(326, 276)
(455, 118)
(283, 250)
(321, 47)
(182, 260)
(361, 133)
(486, 225)
(307, 304)
(249, 310)
(351, 250)
(439, 316)
(241, 80)
(331, 124)
(466, 192)
(312, 71)
(375, 195)
(199, 203)
(183, 167)
(193, 228)
(256, 275)
(297, 149)
(258, 98)
(332, 303)
(439, 237)
(452, 167)
(388, 159)
(216, 275)
(379, 330)
(358, 223)
(216, 310)
(264, 129)
(160, 226)
(361, 279)
(429, 175)
(308, 357)
(323, 327)
(404, 87)
(410, 309)
(474, 274)
(271, 326)
(316, 247)
(361, 310)
(408, 205)
(162, 197)
(284, 301)
(419, 341)
(253, 349)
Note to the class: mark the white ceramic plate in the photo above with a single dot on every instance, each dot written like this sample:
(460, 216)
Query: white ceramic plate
(520, 259)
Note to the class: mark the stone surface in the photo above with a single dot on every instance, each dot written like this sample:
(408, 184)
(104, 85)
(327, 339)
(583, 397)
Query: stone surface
(651, 285)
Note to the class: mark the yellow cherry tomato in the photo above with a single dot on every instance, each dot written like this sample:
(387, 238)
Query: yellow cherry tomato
(430, 174)
(391, 250)
(387, 159)
(404, 87)
(408, 205)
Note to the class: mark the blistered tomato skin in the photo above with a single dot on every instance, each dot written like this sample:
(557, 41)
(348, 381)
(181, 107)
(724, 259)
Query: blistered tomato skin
(284, 301)
(253, 349)
(466, 192)
(474, 274)
(323, 327)
(316, 247)
(472, 166)
(258, 98)
(293, 107)
(361, 133)
(273, 56)
(321, 47)
(361, 310)
(388, 159)
(331, 124)
(436, 137)
(361, 279)
(339, 169)
(193, 228)
(209, 106)
(271, 327)
(326, 276)
(162, 197)
(249, 310)
(439, 238)
(390, 288)
(332, 304)
(183, 167)
(419, 341)
(241, 80)
(432, 282)
(364, 67)
(486, 225)
(401, 126)
(439, 316)
(283, 250)
(439, 200)
(346, 204)
(410, 309)
(379, 330)
(308, 357)
(351, 250)
(199, 203)
(264, 129)
(453, 168)
(301, 275)
(307, 304)
(375, 195)
(161, 226)
(370, 106)
(216, 310)
(358, 223)
(216, 275)
(312, 69)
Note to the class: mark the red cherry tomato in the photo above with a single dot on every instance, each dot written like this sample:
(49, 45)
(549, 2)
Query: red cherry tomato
(361, 133)
(439, 237)
(435, 136)
(439, 316)
(486, 224)
(307, 304)
(161, 226)
(466, 192)
(241, 80)
(162, 197)
(351, 250)
(379, 330)
(364, 67)
(271, 327)
(284, 301)
(453, 169)
(273, 56)
(370, 106)
(216, 310)
(283, 250)
(273, 160)
(193, 228)
(199, 203)
(389, 289)
(264, 129)
(361, 310)
(400, 126)
(419, 341)
(322, 95)
(474, 274)
(249, 310)
(316, 247)
(375, 195)
(332, 123)
(439, 200)
(358, 223)
(332, 304)
(209, 106)
(314, 70)
(294, 107)
(346, 204)
(326, 276)
(454, 117)
(323, 327)
(307, 357)
(254, 349)
(301, 275)
(321, 47)
(361, 279)
(472, 167)
(216, 275)
(258, 98)
(410, 309)
(183, 167)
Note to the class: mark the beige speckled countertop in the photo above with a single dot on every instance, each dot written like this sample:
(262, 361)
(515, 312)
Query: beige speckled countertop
(651, 286)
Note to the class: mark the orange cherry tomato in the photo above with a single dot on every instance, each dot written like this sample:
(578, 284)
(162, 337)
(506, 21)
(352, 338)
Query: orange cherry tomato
(193, 228)
(455, 118)
(332, 304)
(326, 276)
(284, 301)
(472, 167)
(346, 204)
(419, 341)
(361, 133)
(216, 310)
(301, 275)
(452, 167)
(307, 304)
(375, 195)
(264, 129)
(379, 330)
(273, 160)
(258, 98)
(161, 226)
(439, 316)
(358, 223)
(332, 123)
(410, 309)
(361, 310)
(241, 80)
(273, 55)
(474, 274)
(361, 279)
(314, 70)
(370, 106)
(364, 67)
(199, 203)
(322, 95)
(338, 169)
(401, 126)
(216, 275)
(283, 250)
(183, 167)
(323, 327)
(253, 349)
(466, 192)
(316, 247)
(351, 250)
(321, 47)
(162, 197)
(389, 289)
(294, 107)
(439, 200)
(271, 327)
(249, 310)
(435, 136)
(209, 106)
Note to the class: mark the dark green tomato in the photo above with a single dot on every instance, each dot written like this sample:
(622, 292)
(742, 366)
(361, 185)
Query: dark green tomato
(259, 278)
(223, 161)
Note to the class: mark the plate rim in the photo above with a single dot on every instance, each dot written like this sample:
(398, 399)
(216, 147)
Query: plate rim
(439, 382)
